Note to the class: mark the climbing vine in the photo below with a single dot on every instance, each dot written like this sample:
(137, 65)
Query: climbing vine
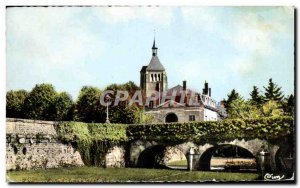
(263, 128)
(93, 140)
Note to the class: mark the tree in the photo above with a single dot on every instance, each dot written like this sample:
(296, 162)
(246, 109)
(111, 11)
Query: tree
(62, 107)
(144, 117)
(123, 113)
(289, 105)
(256, 98)
(39, 103)
(88, 107)
(15, 102)
(240, 108)
(273, 92)
(231, 97)
(272, 108)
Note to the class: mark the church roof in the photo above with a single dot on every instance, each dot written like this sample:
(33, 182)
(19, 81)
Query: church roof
(170, 103)
(144, 68)
(178, 88)
(155, 65)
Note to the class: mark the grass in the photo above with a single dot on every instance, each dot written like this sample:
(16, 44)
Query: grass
(95, 174)
(178, 163)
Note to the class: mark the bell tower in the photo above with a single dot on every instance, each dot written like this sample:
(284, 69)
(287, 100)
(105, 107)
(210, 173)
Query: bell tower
(153, 77)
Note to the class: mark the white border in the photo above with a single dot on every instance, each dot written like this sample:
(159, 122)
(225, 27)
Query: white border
(5, 3)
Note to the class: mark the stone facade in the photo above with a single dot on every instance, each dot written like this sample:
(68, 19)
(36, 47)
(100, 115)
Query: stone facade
(115, 157)
(32, 144)
(183, 114)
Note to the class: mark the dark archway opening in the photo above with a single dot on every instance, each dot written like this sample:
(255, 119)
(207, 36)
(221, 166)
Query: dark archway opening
(171, 117)
(285, 162)
(152, 157)
(228, 158)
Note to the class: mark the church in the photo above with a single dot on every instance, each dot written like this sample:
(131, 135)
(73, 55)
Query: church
(178, 103)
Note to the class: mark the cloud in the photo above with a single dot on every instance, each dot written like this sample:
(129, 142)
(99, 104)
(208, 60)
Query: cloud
(49, 45)
(113, 15)
(252, 31)
(203, 18)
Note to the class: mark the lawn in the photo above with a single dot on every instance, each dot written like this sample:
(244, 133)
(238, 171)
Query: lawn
(182, 163)
(95, 174)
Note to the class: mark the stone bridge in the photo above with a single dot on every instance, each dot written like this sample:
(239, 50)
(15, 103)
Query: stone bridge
(151, 154)
(35, 144)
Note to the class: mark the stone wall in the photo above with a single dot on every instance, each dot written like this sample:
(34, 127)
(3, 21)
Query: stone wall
(115, 157)
(34, 144)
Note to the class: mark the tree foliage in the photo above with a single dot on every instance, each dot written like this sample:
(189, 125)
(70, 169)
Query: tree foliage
(15, 103)
(123, 113)
(272, 108)
(243, 109)
(233, 95)
(39, 103)
(256, 98)
(62, 107)
(270, 105)
(273, 92)
(288, 105)
(42, 103)
(88, 107)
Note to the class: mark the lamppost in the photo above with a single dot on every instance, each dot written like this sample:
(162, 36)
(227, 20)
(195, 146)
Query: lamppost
(107, 100)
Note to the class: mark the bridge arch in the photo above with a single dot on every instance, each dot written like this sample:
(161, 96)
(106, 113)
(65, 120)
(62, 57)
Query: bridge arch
(206, 157)
(152, 157)
(147, 154)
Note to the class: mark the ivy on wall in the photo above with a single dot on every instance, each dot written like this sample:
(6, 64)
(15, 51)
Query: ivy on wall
(93, 140)
(201, 132)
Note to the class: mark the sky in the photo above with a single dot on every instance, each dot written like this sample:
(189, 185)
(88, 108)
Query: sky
(229, 47)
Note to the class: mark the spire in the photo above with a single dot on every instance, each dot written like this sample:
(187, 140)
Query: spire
(154, 49)
(155, 64)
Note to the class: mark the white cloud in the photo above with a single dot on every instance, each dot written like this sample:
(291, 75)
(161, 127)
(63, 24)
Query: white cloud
(47, 41)
(113, 15)
(201, 17)
(251, 31)
(50, 35)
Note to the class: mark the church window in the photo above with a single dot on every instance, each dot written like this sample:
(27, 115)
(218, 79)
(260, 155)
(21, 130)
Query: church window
(155, 77)
(159, 77)
(151, 77)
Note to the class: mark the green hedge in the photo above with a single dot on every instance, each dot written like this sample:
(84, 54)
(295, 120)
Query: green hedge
(94, 139)
(263, 128)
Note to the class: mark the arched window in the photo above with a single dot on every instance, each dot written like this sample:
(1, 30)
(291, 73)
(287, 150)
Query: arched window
(155, 76)
(151, 77)
(159, 77)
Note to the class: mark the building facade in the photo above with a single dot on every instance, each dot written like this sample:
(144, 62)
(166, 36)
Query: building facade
(176, 104)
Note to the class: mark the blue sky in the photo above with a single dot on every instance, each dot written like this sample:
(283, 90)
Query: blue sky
(230, 47)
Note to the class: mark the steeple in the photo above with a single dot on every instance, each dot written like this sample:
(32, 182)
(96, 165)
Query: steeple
(155, 64)
(154, 49)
